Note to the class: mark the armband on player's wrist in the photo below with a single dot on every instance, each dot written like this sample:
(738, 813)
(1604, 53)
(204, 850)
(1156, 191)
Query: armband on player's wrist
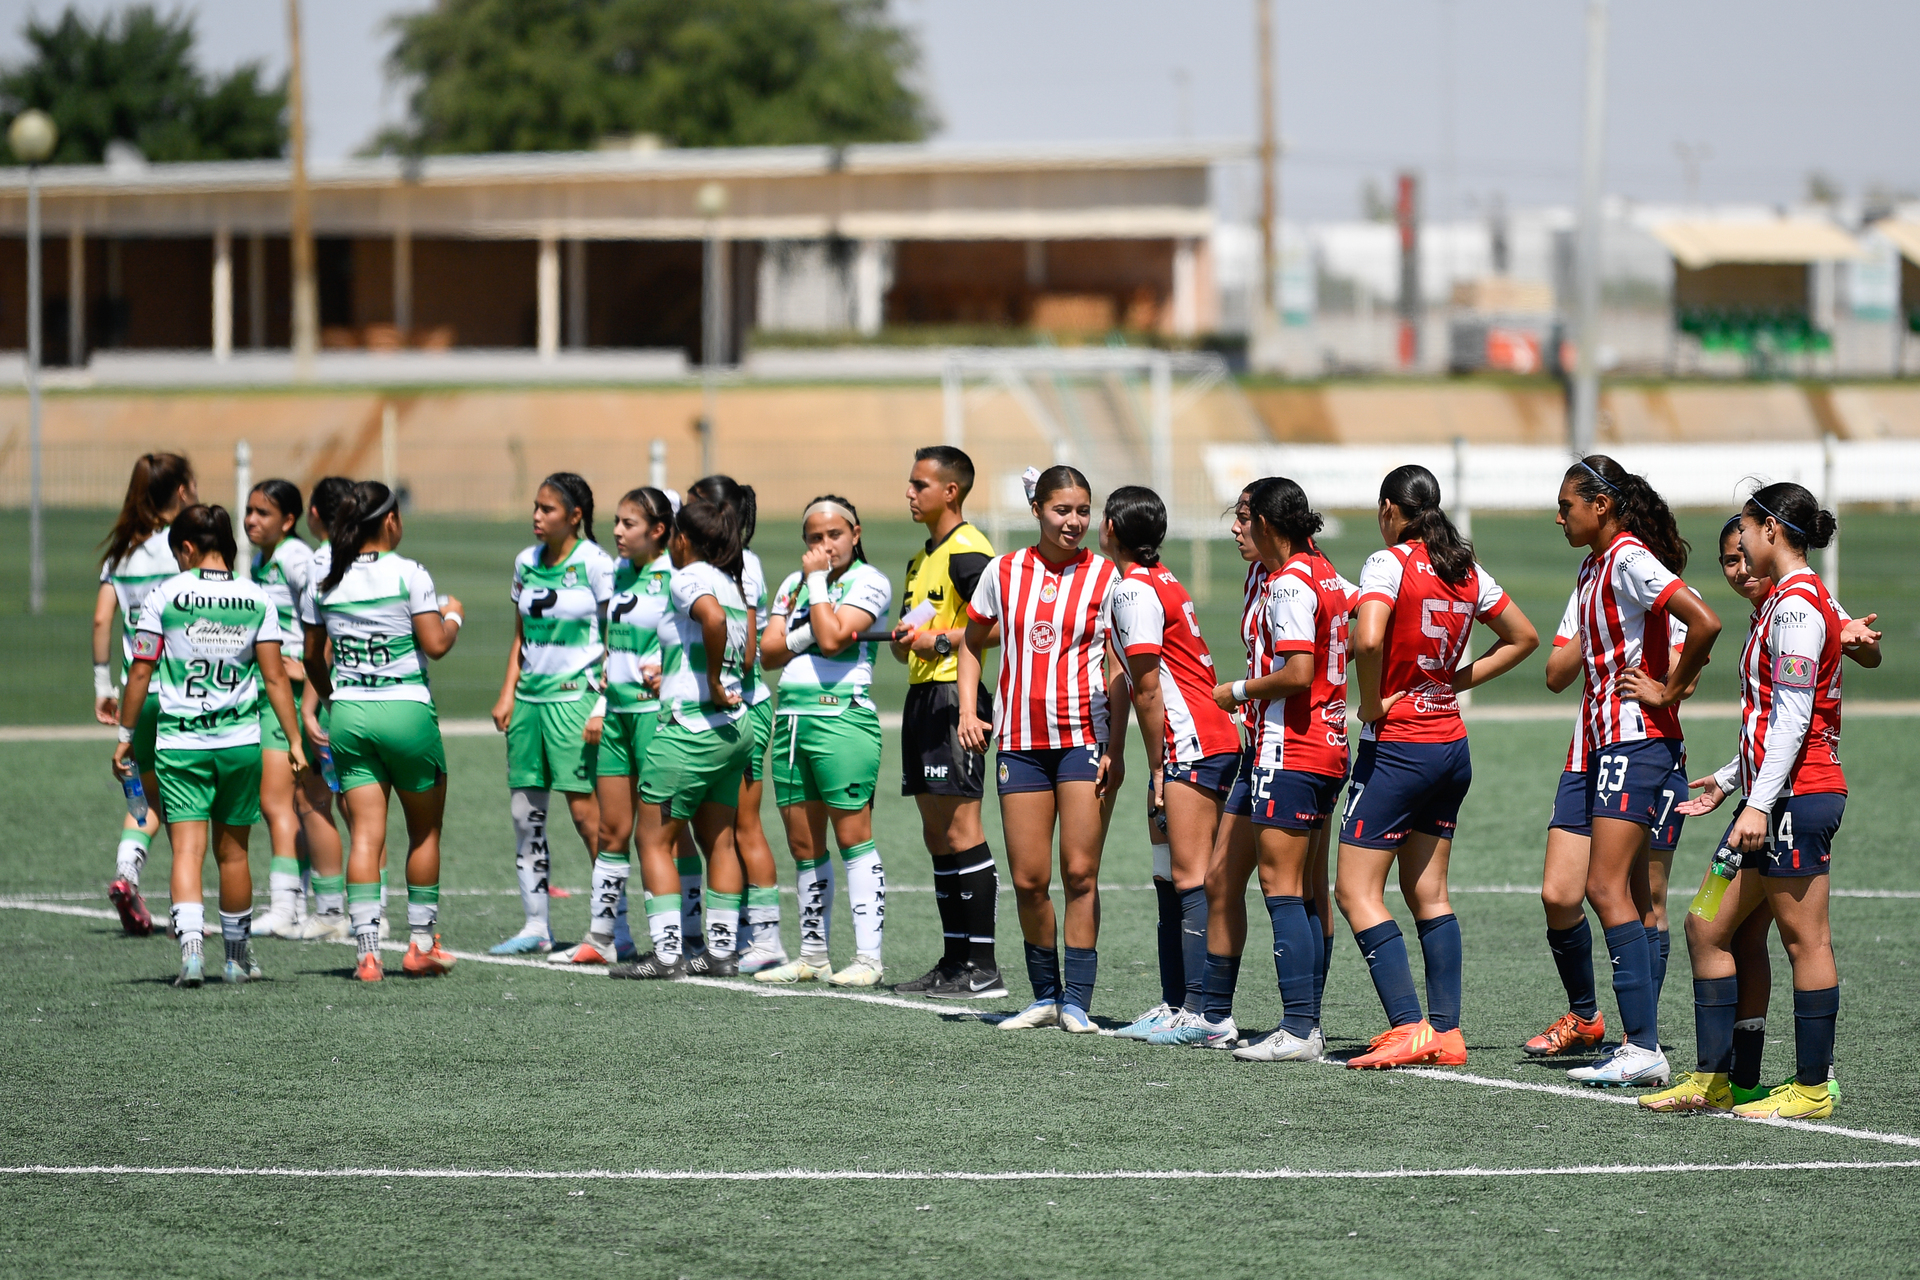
(452, 619)
(818, 588)
(126, 734)
(1239, 690)
(102, 680)
(599, 711)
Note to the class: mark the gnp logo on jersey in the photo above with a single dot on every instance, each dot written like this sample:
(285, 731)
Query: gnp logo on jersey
(1794, 670)
(1041, 636)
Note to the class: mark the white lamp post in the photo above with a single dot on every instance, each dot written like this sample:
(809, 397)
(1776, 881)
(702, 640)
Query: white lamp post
(33, 135)
(711, 200)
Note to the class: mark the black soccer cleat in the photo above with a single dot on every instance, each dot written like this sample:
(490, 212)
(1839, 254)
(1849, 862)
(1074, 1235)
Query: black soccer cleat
(926, 982)
(971, 983)
(650, 966)
(706, 965)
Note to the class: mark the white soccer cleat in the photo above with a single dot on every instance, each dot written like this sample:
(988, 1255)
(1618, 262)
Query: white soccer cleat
(764, 953)
(865, 971)
(1075, 1021)
(281, 920)
(801, 970)
(1627, 1065)
(1283, 1047)
(332, 926)
(1149, 1022)
(1041, 1013)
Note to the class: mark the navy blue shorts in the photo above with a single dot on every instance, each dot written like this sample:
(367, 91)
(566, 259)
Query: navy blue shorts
(1625, 780)
(1045, 769)
(1403, 787)
(1239, 798)
(1799, 836)
(1294, 800)
(1216, 773)
(1570, 808)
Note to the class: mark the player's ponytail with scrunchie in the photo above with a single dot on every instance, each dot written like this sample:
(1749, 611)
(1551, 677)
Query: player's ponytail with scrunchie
(1637, 505)
(207, 529)
(1282, 505)
(156, 481)
(1803, 522)
(727, 492)
(578, 496)
(1139, 520)
(362, 510)
(713, 531)
(1413, 489)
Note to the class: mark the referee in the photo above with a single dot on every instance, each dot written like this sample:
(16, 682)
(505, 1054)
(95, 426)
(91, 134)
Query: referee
(944, 779)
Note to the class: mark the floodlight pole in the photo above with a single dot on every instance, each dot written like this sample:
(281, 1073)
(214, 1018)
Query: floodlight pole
(306, 307)
(36, 530)
(1586, 383)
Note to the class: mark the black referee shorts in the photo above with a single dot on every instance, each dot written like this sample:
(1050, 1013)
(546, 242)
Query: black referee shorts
(932, 761)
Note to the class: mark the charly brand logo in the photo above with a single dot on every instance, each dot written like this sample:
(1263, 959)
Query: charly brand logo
(1040, 636)
(212, 639)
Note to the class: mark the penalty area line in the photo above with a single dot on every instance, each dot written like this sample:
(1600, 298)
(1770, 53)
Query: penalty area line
(914, 1175)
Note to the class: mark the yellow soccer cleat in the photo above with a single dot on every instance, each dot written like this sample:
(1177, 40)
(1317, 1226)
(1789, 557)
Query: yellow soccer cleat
(1790, 1101)
(1694, 1091)
(801, 970)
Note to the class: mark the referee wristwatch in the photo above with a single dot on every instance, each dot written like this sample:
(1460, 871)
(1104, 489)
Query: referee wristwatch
(943, 645)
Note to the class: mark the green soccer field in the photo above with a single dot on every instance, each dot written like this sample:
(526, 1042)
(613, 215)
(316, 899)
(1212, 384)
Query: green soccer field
(513, 1118)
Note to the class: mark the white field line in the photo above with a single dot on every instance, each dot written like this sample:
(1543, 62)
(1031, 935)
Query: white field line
(960, 1011)
(910, 1175)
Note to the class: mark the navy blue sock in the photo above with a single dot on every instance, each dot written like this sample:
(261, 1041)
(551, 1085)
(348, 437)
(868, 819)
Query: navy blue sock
(1440, 956)
(1657, 956)
(1814, 1013)
(1326, 963)
(1320, 956)
(1660, 970)
(1295, 940)
(1082, 967)
(1193, 946)
(1573, 957)
(1043, 971)
(1714, 1001)
(1173, 975)
(1749, 1047)
(1633, 984)
(1386, 955)
(1223, 975)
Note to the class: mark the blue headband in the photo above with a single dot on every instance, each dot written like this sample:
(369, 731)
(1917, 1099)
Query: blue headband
(1581, 463)
(1777, 516)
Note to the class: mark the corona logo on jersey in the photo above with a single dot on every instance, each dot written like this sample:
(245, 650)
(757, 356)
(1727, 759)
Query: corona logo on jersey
(1042, 635)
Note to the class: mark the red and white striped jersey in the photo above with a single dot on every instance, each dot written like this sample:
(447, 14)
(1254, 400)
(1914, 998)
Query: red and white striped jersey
(1623, 595)
(1427, 631)
(1567, 633)
(1789, 682)
(1307, 612)
(1153, 614)
(1053, 647)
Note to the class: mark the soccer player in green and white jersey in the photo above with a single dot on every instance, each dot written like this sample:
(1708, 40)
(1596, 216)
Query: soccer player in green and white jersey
(642, 523)
(213, 641)
(137, 559)
(699, 753)
(826, 749)
(551, 706)
(379, 611)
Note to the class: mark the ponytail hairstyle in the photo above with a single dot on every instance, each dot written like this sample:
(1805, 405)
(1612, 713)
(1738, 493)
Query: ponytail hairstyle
(714, 531)
(207, 528)
(325, 500)
(653, 503)
(1803, 522)
(1413, 489)
(362, 510)
(859, 551)
(577, 494)
(284, 495)
(1637, 505)
(1281, 504)
(1139, 521)
(1054, 479)
(725, 491)
(156, 481)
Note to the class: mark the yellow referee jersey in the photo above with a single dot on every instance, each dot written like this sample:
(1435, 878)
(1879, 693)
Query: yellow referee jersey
(930, 578)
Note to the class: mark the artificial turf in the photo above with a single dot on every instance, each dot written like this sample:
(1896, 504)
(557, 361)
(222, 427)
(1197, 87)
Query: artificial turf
(517, 1067)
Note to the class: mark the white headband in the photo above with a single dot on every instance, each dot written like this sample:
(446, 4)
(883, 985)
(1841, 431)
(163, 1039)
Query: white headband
(835, 508)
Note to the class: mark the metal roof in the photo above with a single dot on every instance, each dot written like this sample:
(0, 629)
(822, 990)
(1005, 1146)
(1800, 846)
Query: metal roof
(1905, 235)
(1783, 240)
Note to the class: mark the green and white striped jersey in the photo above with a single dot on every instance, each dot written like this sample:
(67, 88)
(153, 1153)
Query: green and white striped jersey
(284, 578)
(633, 633)
(132, 577)
(369, 618)
(560, 609)
(753, 586)
(814, 684)
(198, 628)
(683, 648)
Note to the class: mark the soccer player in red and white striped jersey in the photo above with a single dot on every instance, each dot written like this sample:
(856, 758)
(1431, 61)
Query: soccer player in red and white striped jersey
(1419, 599)
(1628, 592)
(1193, 746)
(1051, 723)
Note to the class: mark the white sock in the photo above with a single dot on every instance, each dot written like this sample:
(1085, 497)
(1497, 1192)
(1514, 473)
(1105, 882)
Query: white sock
(609, 891)
(283, 894)
(692, 930)
(723, 924)
(236, 928)
(763, 913)
(816, 906)
(131, 856)
(664, 926)
(867, 895)
(189, 921)
(529, 809)
(366, 923)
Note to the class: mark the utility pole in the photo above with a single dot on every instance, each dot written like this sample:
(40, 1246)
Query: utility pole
(306, 317)
(33, 136)
(1269, 176)
(1586, 381)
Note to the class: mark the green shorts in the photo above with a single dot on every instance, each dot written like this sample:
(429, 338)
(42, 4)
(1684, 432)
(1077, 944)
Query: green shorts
(835, 759)
(221, 785)
(623, 743)
(761, 719)
(145, 729)
(324, 714)
(387, 742)
(686, 768)
(547, 747)
(272, 736)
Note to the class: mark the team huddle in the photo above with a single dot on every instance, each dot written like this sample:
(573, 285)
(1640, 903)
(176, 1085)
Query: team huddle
(654, 688)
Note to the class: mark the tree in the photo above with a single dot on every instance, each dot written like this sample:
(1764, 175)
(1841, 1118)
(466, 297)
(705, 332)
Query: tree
(560, 75)
(132, 78)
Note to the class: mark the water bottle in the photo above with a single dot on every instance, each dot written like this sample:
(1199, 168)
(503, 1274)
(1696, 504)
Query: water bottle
(136, 797)
(1713, 886)
(327, 771)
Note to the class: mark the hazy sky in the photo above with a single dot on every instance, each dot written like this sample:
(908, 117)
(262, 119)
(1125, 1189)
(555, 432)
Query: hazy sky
(1774, 88)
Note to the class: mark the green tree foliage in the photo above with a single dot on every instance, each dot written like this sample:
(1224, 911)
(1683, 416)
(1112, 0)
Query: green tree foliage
(560, 75)
(131, 77)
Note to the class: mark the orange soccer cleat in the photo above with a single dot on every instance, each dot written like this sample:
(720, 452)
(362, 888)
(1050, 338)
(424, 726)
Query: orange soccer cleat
(369, 969)
(1407, 1045)
(1570, 1033)
(1449, 1049)
(426, 964)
